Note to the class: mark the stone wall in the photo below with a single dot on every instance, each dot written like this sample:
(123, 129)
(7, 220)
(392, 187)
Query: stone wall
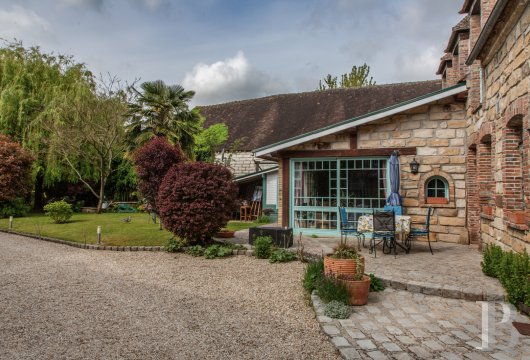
(498, 136)
(438, 133)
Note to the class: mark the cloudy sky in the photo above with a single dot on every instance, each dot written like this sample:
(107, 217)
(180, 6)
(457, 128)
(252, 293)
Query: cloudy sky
(237, 49)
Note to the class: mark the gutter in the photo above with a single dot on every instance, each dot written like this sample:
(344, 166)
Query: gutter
(486, 31)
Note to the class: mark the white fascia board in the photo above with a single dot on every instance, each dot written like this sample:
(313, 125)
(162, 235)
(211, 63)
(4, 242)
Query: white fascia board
(361, 121)
(256, 174)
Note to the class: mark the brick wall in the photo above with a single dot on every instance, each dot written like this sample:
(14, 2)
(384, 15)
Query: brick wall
(498, 128)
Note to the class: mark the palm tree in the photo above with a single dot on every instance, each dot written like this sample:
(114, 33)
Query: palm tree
(162, 110)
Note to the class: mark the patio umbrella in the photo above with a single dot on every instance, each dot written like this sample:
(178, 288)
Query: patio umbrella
(394, 199)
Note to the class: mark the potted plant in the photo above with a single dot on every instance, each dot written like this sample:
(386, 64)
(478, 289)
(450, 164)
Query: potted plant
(358, 287)
(344, 261)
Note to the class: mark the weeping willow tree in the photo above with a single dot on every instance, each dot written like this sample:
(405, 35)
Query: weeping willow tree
(89, 139)
(35, 90)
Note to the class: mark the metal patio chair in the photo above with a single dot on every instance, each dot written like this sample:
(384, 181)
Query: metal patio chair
(349, 227)
(385, 230)
(419, 232)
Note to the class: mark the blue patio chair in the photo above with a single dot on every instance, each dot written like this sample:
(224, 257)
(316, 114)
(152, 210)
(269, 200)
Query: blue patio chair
(349, 227)
(419, 232)
(398, 210)
(384, 229)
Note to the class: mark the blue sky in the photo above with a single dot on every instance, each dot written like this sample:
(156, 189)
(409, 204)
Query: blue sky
(229, 50)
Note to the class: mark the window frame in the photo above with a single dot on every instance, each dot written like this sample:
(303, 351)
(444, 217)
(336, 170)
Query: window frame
(437, 199)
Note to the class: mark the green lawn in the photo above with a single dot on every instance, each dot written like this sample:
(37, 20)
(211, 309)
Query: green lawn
(82, 228)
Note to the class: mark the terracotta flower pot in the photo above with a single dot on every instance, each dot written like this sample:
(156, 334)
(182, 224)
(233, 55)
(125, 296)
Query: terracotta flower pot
(342, 267)
(358, 289)
(225, 234)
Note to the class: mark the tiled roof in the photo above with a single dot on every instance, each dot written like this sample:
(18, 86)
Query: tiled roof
(447, 57)
(271, 119)
(462, 26)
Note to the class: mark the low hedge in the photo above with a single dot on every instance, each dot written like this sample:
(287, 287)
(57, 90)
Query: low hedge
(512, 269)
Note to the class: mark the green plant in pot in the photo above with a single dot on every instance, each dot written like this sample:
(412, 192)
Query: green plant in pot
(344, 261)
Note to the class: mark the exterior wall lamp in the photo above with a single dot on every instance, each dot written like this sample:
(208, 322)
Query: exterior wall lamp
(414, 166)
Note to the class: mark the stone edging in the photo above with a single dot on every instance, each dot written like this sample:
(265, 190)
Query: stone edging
(331, 329)
(106, 247)
(451, 292)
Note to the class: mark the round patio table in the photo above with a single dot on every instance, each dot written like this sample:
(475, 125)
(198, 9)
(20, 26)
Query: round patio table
(365, 223)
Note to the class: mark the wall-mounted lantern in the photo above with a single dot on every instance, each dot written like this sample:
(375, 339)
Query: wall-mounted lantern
(414, 166)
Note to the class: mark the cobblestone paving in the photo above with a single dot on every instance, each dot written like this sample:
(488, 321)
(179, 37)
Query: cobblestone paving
(402, 325)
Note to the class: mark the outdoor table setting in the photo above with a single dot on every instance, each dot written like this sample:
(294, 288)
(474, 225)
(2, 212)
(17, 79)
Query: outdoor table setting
(365, 223)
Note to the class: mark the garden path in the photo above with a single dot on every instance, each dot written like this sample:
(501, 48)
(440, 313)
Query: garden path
(63, 302)
(402, 325)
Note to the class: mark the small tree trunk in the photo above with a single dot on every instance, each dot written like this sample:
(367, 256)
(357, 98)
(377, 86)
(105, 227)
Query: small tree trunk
(38, 202)
(101, 196)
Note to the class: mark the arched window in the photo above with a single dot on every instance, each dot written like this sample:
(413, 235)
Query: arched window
(437, 190)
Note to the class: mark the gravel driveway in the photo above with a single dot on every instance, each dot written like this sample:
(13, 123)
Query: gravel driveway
(58, 302)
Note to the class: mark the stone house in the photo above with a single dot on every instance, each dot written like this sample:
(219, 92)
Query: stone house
(496, 67)
(468, 132)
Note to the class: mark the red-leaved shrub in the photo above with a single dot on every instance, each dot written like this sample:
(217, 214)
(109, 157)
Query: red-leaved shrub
(15, 170)
(151, 162)
(195, 200)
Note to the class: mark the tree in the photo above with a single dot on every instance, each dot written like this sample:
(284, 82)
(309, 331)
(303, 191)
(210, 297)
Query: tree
(196, 199)
(208, 141)
(15, 170)
(161, 110)
(91, 136)
(34, 88)
(357, 77)
(152, 161)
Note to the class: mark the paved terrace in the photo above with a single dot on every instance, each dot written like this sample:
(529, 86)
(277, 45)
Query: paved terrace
(453, 271)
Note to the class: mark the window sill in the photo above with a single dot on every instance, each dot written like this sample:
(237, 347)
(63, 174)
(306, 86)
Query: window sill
(487, 216)
(520, 227)
(436, 201)
(450, 205)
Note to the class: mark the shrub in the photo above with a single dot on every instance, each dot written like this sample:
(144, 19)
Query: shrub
(195, 250)
(329, 289)
(314, 272)
(491, 259)
(15, 170)
(175, 244)
(217, 251)
(512, 269)
(264, 219)
(263, 247)
(196, 200)
(281, 256)
(337, 310)
(152, 161)
(376, 284)
(59, 211)
(15, 207)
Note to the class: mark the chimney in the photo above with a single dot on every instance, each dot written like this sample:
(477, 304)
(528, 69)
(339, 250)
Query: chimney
(485, 10)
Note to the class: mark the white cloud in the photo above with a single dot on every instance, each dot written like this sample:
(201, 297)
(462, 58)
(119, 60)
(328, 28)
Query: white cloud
(420, 66)
(19, 22)
(230, 79)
